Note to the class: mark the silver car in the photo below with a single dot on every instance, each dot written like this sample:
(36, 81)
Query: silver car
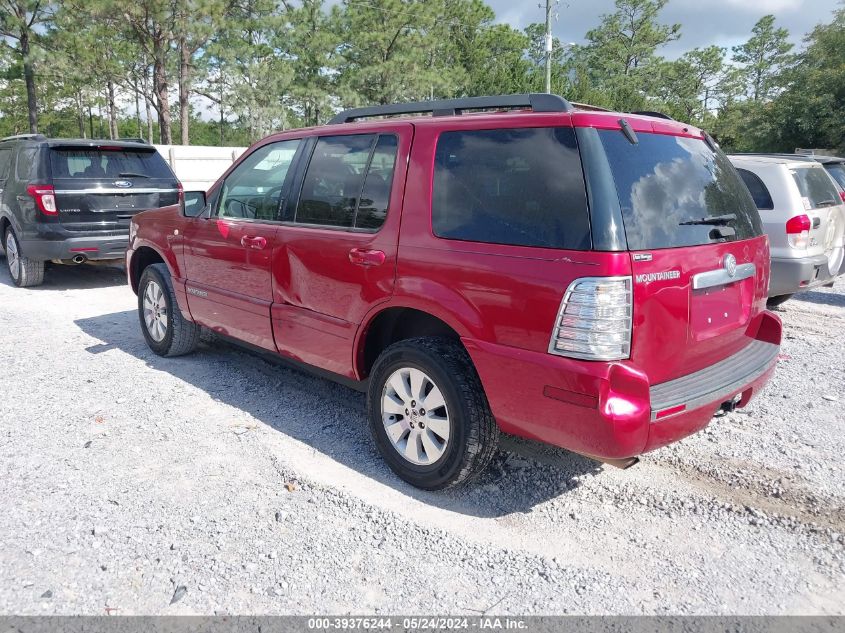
(802, 214)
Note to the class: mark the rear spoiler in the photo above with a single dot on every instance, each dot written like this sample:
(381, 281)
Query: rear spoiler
(102, 144)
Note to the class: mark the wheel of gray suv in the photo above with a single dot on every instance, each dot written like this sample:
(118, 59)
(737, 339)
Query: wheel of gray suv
(774, 302)
(428, 413)
(166, 331)
(25, 272)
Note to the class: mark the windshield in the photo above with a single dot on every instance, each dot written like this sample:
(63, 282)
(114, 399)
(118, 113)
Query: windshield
(100, 163)
(675, 191)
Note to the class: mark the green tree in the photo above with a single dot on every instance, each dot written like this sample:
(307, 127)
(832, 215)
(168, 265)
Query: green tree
(391, 52)
(250, 70)
(311, 43)
(764, 57)
(19, 22)
(622, 49)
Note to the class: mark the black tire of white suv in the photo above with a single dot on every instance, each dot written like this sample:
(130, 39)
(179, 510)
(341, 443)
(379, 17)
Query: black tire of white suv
(25, 272)
(166, 331)
(405, 378)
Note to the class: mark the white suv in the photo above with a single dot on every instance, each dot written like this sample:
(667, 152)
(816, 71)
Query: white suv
(802, 214)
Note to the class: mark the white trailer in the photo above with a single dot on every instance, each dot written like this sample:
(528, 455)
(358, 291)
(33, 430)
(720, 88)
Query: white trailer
(196, 166)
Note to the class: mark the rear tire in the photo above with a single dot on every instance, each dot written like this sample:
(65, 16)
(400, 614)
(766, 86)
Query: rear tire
(456, 438)
(25, 272)
(774, 302)
(166, 331)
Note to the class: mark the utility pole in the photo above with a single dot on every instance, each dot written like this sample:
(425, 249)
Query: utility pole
(549, 45)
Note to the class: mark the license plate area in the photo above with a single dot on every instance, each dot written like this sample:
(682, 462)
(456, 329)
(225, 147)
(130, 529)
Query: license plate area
(719, 309)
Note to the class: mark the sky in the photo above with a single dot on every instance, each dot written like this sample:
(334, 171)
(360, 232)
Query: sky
(703, 22)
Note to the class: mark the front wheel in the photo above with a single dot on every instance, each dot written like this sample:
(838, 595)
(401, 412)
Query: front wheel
(25, 272)
(166, 331)
(429, 415)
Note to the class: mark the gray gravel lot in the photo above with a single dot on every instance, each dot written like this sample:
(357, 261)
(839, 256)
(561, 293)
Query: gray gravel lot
(220, 483)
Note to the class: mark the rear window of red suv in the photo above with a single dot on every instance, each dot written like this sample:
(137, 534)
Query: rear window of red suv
(523, 187)
(675, 191)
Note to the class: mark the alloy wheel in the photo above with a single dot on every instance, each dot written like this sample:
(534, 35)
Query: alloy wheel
(415, 416)
(12, 256)
(155, 311)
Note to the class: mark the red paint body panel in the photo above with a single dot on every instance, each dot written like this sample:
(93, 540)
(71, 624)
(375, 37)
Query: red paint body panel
(310, 295)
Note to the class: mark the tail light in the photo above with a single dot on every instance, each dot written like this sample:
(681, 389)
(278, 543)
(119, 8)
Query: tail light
(45, 198)
(798, 231)
(842, 195)
(594, 319)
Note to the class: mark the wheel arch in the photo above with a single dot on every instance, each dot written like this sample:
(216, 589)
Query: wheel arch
(395, 323)
(142, 257)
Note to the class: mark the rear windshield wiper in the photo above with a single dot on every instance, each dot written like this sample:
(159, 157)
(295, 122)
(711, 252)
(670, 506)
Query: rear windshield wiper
(826, 203)
(713, 220)
(131, 174)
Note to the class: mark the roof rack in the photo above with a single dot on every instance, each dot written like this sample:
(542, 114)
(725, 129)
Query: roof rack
(659, 115)
(799, 157)
(538, 102)
(25, 137)
(588, 106)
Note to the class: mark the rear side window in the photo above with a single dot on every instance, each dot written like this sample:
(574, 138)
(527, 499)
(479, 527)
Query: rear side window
(523, 187)
(761, 196)
(348, 181)
(25, 166)
(817, 189)
(5, 162)
(97, 163)
(837, 170)
(671, 188)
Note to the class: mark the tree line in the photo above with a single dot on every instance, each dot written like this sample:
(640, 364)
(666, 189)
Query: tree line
(231, 71)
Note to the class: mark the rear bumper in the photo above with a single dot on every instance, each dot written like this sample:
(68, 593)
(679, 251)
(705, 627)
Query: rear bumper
(67, 247)
(610, 410)
(792, 275)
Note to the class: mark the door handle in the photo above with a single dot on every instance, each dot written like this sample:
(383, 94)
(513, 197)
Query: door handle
(257, 242)
(364, 257)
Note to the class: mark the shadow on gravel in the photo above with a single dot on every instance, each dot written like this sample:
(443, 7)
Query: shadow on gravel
(821, 298)
(331, 418)
(82, 277)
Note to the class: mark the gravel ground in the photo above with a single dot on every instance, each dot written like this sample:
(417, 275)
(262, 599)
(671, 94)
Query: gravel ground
(220, 483)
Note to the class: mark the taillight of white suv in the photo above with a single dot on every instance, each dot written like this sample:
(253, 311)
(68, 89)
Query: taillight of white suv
(798, 231)
(594, 320)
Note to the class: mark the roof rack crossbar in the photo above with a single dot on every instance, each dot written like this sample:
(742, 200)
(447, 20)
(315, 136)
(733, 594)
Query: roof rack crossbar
(538, 102)
(24, 137)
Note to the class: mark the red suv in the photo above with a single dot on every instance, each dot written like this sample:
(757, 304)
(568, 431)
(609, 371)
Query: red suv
(591, 279)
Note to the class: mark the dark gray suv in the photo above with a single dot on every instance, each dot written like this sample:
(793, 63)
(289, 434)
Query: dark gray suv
(68, 201)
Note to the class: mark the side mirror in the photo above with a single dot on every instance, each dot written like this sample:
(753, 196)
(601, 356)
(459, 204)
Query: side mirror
(193, 203)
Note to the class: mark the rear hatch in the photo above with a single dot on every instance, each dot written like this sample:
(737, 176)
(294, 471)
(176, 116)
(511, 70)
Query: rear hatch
(698, 254)
(100, 187)
(822, 203)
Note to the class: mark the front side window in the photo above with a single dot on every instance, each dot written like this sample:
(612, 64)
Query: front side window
(523, 187)
(254, 190)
